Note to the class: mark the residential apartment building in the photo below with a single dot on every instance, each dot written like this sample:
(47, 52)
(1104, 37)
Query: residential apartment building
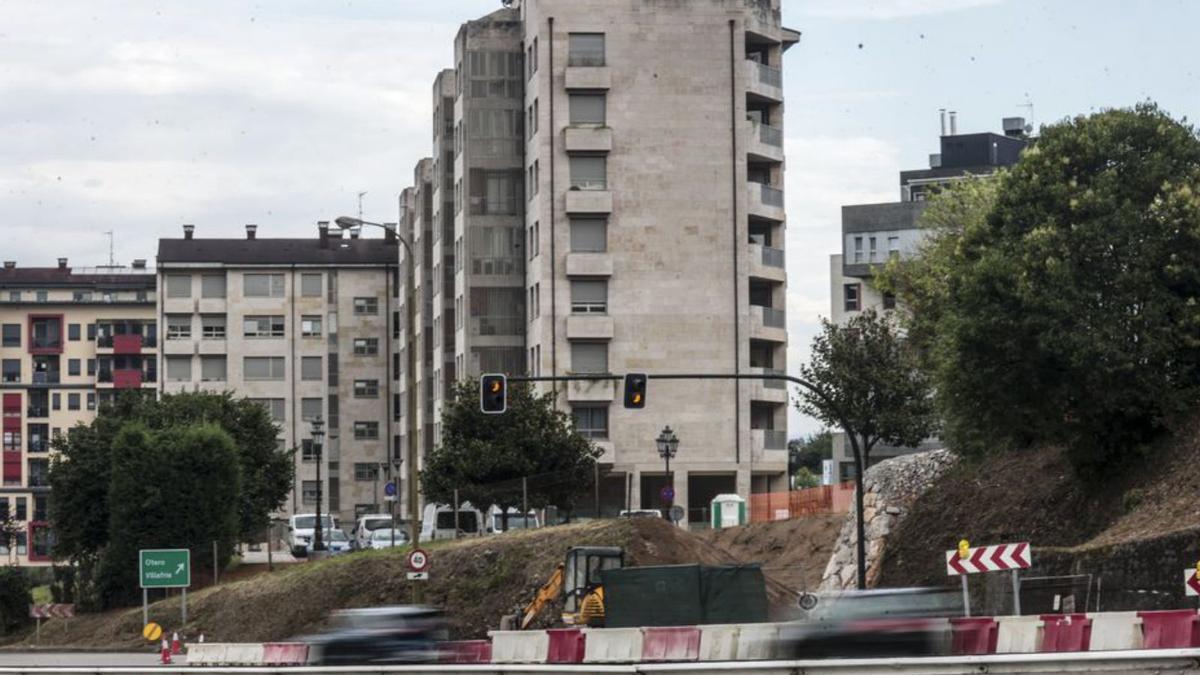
(301, 325)
(69, 339)
(874, 233)
(618, 201)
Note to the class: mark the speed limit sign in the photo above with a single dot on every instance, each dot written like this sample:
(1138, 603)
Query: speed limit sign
(418, 560)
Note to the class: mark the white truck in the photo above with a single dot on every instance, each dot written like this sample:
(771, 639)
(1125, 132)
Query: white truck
(301, 528)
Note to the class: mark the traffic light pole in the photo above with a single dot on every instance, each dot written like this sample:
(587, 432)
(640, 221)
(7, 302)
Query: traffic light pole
(672, 376)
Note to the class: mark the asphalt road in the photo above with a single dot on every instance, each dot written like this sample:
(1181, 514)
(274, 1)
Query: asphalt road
(81, 659)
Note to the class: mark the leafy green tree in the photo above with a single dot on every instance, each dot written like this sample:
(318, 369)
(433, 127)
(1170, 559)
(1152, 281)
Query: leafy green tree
(808, 452)
(485, 456)
(865, 378)
(16, 594)
(805, 478)
(175, 488)
(1064, 308)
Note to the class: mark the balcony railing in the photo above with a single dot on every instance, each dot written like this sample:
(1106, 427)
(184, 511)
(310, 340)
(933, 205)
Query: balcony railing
(770, 135)
(772, 77)
(771, 196)
(498, 325)
(774, 384)
(39, 446)
(37, 411)
(104, 376)
(772, 257)
(774, 439)
(774, 318)
(51, 377)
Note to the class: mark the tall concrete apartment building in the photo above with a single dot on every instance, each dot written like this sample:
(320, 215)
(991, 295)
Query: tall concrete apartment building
(301, 325)
(874, 233)
(618, 207)
(69, 339)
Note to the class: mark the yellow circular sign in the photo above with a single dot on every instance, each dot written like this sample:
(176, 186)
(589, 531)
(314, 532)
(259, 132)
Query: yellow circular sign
(152, 631)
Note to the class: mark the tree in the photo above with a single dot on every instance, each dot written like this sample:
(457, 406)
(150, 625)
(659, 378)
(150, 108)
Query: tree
(16, 595)
(8, 530)
(1063, 309)
(485, 457)
(865, 378)
(808, 452)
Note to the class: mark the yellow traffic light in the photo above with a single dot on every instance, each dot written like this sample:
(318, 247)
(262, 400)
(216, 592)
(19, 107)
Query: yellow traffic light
(493, 393)
(964, 549)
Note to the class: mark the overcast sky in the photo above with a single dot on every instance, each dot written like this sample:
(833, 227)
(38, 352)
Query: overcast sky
(136, 116)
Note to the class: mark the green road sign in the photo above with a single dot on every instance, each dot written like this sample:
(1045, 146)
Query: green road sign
(165, 568)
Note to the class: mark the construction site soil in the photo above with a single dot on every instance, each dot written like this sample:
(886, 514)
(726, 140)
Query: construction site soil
(475, 580)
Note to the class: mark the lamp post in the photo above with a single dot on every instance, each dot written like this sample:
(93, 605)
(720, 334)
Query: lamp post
(396, 462)
(318, 439)
(414, 524)
(668, 444)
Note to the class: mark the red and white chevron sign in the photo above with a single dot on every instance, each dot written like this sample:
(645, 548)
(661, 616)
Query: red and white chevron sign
(1191, 582)
(989, 559)
(51, 611)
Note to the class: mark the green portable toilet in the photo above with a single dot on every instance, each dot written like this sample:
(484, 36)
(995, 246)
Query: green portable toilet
(728, 511)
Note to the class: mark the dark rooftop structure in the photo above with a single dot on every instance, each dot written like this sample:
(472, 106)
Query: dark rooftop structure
(111, 278)
(327, 248)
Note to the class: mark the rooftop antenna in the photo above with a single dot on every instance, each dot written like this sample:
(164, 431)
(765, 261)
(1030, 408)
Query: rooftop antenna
(360, 210)
(1028, 104)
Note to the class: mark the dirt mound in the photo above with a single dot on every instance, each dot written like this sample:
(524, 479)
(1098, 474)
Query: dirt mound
(793, 552)
(477, 580)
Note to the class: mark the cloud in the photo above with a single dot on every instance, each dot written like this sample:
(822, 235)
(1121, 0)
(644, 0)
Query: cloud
(886, 9)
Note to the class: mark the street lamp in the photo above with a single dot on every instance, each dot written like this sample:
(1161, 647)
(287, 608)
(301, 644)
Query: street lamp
(396, 462)
(354, 225)
(318, 439)
(668, 444)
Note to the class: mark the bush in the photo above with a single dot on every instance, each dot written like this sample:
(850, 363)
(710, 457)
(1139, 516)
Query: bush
(16, 595)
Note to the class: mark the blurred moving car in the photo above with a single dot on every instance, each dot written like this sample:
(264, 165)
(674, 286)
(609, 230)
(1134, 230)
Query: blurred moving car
(383, 539)
(874, 623)
(640, 513)
(380, 635)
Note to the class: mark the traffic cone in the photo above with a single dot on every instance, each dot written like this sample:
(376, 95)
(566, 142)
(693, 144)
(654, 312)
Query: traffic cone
(166, 652)
(175, 646)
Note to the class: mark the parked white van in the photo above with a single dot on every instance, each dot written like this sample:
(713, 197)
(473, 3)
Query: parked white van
(300, 530)
(438, 521)
(495, 521)
(369, 523)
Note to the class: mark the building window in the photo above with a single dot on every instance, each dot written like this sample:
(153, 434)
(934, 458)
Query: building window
(11, 335)
(873, 250)
(212, 327)
(91, 367)
(73, 332)
(73, 401)
(262, 285)
(263, 367)
(589, 296)
(275, 406)
(179, 286)
(589, 357)
(308, 452)
(853, 299)
(310, 368)
(589, 172)
(212, 285)
(591, 420)
(311, 285)
(11, 370)
(179, 368)
(179, 327)
(73, 367)
(366, 346)
(91, 405)
(212, 368)
(82, 296)
(587, 109)
(858, 249)
(366, 306)
(889, 301)
(310, 409)
(366, 471)
(56, 401)
(894, 248)
(589, 235)
(310, 326)
(14, 296)
(308, 490)
(366, 389)
(365, 431)
(585, 49)
(262, 327)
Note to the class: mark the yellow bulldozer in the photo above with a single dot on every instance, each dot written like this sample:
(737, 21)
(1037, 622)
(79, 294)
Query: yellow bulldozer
(577, 581)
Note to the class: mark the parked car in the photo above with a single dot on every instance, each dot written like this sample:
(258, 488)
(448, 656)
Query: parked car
(367, 524)
(383, 538)
(300, 531)
(335, 541)
(379, 635)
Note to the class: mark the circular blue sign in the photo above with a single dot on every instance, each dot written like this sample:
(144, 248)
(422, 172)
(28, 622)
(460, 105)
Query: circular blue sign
(389, 489)
(667, 493)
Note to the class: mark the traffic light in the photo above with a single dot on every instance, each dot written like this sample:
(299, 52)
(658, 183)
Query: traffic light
(635, 390)
(493, 394)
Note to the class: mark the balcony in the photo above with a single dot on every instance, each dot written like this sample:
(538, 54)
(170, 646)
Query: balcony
(498, 325)
(769, 445)
(765, 201)
(767, 263)
(588, 139)
(37, 411)
(589, 201)
(763, 81)
(773, 391)
(39, 446)
(588, 77)
(590, 327)
(129, 378)
(764, 142)
(47, 377)
(127, 344)
(589, 265)
(768, 323)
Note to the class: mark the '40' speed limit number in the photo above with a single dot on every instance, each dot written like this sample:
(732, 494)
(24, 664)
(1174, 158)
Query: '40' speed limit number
(418, 560)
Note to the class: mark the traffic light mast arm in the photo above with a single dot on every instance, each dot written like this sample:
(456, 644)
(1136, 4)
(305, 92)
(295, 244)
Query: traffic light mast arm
(805, 384)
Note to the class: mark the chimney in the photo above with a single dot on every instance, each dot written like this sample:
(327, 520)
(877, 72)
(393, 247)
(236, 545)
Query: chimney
(251, 232)
(354, 232)
(62, 263)
(10, 264)
(188, 230)
(323, 232)
(390, 232)
(953, 123)
(942, 115)
(139, 264)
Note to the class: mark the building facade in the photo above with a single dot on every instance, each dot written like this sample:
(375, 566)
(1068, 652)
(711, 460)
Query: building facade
(301, 325)
(872, 234)
(618, 207)
(69, 339)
